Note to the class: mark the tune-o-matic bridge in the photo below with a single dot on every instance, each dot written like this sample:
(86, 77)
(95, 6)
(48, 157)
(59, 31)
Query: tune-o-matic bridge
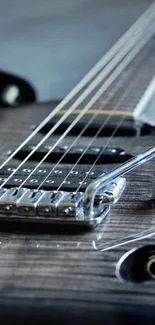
(57, 206)
(88, 208)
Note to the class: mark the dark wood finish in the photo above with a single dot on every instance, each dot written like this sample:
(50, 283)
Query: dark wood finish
(50, 275)
(58, 275)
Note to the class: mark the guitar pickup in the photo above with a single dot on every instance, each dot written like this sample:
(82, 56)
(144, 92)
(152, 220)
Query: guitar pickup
(62, 207)
(70, 156)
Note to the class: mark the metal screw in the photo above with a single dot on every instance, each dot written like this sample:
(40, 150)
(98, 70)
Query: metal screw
(68, 211)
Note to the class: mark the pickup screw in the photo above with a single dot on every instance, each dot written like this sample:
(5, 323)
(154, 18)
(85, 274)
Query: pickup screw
(68, 211)
(26, 209)
(8, 208)
(47, 210)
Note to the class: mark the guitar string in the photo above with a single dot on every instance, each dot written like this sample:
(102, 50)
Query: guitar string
(90, 75)
(98, 110)
(84, 95)
(144, 19)
(101, 152)
(100, 92)
(98, 132)
(51, 150)
(57, 124)
(66, 132)
(128, 90)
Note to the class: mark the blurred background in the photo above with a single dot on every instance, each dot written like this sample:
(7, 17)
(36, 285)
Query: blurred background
(54, 43)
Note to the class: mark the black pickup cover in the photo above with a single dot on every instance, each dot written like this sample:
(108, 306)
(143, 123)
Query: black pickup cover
(54, 180)
(109, 155)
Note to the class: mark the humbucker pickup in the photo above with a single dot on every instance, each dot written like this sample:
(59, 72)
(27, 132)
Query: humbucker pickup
(57, 206)
(109, 155)
(52, 182)
(127, 128)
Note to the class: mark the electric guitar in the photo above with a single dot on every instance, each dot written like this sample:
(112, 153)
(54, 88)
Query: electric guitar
(77, 195)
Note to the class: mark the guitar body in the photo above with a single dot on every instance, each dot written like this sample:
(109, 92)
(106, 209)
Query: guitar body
(54, 273)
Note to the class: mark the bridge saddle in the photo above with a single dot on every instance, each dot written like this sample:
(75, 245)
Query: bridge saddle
(57, 206)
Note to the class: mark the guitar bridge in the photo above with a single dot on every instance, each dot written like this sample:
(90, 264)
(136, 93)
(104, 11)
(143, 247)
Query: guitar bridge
(57, 206)
(88, 208)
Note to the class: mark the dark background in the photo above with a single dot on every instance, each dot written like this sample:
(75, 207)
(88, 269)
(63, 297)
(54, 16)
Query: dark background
(53, 43)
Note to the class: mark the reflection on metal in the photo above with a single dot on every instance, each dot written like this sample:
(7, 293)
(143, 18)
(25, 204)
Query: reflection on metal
(103, 181)
(58, 206)
(47, 206)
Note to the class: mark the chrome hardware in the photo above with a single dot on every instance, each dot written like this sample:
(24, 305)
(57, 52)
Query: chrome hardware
(51, 206)
(71, 205)
(87, 208)
(9, 199)
(112, 192)
(27, 204)
(103, 181)
(49, 202)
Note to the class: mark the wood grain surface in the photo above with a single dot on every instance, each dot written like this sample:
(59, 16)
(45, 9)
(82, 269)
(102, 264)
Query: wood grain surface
(53, 274)
(59, 275)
